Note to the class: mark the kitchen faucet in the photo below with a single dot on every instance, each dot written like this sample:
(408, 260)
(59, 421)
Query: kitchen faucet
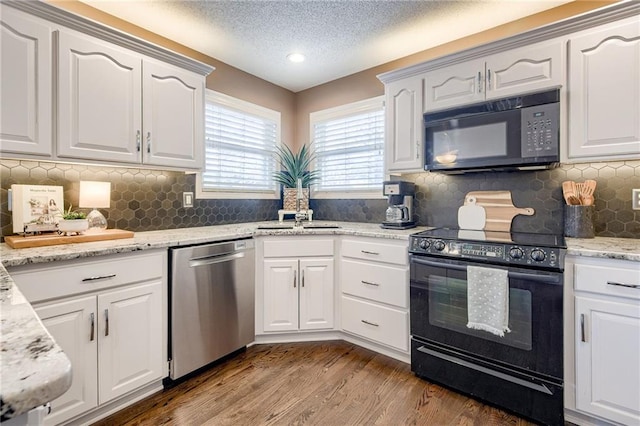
(300, 215)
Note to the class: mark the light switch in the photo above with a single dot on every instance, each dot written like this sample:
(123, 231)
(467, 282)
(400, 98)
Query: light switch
(187, 199)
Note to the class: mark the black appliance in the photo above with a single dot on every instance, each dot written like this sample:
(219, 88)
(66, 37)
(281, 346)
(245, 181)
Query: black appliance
(518, 133)
(399, 214)
(522, 371)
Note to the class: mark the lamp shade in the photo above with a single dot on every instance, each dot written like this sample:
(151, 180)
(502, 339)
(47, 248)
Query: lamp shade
(95, 194)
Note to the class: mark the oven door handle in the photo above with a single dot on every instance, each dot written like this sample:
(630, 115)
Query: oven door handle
(551, 279)
(540, 387)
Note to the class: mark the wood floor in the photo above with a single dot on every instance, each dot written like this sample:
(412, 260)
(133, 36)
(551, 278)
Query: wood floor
(319, 383)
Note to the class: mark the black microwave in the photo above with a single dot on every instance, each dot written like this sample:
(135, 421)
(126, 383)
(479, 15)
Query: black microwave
(517, 133)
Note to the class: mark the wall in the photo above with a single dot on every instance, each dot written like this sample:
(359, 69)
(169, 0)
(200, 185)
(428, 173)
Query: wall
(146, 200)
(365, 84)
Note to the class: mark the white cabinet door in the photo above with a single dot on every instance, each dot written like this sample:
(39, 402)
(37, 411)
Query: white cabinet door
(316, 294)
(25, 78)
(173, 105)
(280, 294)
(130, 339)
(526, 69)
(454, 85)
(73, 325)
(403, 125)
(604, 92)
(99, 105)
(607, 367)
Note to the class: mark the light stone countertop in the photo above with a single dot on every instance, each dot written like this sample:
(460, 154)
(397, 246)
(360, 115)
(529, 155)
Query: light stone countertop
(34, 370)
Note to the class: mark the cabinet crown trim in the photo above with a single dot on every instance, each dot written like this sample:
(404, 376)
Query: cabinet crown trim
(563, 27)
(86, 26)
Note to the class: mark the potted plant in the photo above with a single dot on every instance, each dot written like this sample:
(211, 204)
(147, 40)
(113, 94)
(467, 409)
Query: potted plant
(73, 222)
(293, 167)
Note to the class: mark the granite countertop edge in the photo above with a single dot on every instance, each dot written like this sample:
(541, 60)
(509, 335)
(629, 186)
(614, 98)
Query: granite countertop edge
(34, 368)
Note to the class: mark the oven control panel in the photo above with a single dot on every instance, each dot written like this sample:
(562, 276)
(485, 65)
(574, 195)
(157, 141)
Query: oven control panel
(489, 252)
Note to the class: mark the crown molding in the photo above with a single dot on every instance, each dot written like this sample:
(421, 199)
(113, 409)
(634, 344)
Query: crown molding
(103, 32)
(560, 28)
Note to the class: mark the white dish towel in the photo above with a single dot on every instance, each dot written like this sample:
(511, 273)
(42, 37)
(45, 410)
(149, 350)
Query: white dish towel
(488, 299)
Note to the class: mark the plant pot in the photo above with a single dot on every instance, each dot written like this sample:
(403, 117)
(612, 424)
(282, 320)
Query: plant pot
(289, 199)
(73, 226)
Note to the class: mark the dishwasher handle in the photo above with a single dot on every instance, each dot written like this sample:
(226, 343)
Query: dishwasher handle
(219, 258)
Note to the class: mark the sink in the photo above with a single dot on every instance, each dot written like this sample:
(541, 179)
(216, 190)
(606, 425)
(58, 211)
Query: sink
(275, 226)
(307, 226)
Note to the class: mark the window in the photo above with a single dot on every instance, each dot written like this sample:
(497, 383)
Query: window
(349, 145)
(240, 141)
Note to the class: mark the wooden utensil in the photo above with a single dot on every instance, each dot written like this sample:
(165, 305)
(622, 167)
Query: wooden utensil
(569, 192)
(588, 188)
(498, 207)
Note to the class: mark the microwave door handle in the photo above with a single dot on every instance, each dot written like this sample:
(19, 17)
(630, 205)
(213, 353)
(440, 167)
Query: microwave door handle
(551, 279)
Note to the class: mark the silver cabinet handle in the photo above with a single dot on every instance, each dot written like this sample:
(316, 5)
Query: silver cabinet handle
(488, 79)
(99, 277)
(295, 276)
(93, 327)
(106, 322)
(138, 140)
(370, 323)
(479, 82)
(148, 142)
(370, 283)
(417, 150)
(370, 252)
(303, 278)
(623, 284)
(582, 335)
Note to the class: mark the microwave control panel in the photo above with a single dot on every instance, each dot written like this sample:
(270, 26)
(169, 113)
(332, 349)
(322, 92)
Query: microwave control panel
(540, 130)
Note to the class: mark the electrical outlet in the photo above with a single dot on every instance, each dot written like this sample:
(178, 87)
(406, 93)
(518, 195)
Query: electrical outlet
(635, 199)
(187, 199)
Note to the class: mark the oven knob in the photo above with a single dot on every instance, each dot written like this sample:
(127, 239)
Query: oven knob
(439, 245)
(537, 255)
(424, 244)
(516, 253)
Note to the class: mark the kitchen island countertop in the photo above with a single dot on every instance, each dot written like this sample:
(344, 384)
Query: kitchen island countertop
(34, 370)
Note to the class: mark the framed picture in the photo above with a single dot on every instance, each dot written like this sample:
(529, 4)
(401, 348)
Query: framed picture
(36, 204)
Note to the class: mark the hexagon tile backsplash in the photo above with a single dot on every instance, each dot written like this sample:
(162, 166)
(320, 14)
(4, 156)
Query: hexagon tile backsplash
(146, 200)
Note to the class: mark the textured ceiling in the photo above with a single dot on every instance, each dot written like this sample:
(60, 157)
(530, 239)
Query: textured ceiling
(338, 38)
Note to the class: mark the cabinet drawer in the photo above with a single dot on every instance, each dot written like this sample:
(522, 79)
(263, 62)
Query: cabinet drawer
(295, 247)
(377, 282)
(380, 252)
(66, 278)
(379, 323)
(613, 279)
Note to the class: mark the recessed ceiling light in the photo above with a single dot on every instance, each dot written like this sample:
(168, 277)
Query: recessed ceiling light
(295, 57)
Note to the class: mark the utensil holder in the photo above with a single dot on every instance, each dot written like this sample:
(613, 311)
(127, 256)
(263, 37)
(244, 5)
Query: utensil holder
(578, 221)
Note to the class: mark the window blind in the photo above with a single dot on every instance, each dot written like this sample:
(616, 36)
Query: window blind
(239, 150)
(350, 151)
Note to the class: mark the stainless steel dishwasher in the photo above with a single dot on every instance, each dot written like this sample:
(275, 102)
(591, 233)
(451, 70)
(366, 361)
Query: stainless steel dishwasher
(211, 303)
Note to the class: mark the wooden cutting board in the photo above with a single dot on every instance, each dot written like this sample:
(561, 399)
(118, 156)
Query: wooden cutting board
(499, 209)
(19, 241)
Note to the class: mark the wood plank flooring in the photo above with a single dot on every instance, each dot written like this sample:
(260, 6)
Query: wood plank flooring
(317, 383)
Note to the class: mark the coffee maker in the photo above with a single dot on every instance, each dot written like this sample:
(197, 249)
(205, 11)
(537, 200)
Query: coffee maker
(399, 214)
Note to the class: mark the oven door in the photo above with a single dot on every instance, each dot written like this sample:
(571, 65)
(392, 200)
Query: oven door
(439, 315)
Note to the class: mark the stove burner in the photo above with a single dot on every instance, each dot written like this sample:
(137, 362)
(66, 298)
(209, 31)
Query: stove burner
(544, 251)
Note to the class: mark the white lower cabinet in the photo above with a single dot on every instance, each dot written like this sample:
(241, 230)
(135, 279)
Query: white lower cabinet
(107, 316)
(375, 290)
(295, 293)
(607, 339)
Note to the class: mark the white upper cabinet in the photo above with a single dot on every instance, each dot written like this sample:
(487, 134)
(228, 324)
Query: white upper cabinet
(404, 130)
(173, 116)
(99, 100)
(454, 85)
(604, 92)
(115, 105)
(512, 72)
(25, 78)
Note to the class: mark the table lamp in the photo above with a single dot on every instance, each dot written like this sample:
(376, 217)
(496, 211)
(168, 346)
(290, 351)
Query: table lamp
(95, 195)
